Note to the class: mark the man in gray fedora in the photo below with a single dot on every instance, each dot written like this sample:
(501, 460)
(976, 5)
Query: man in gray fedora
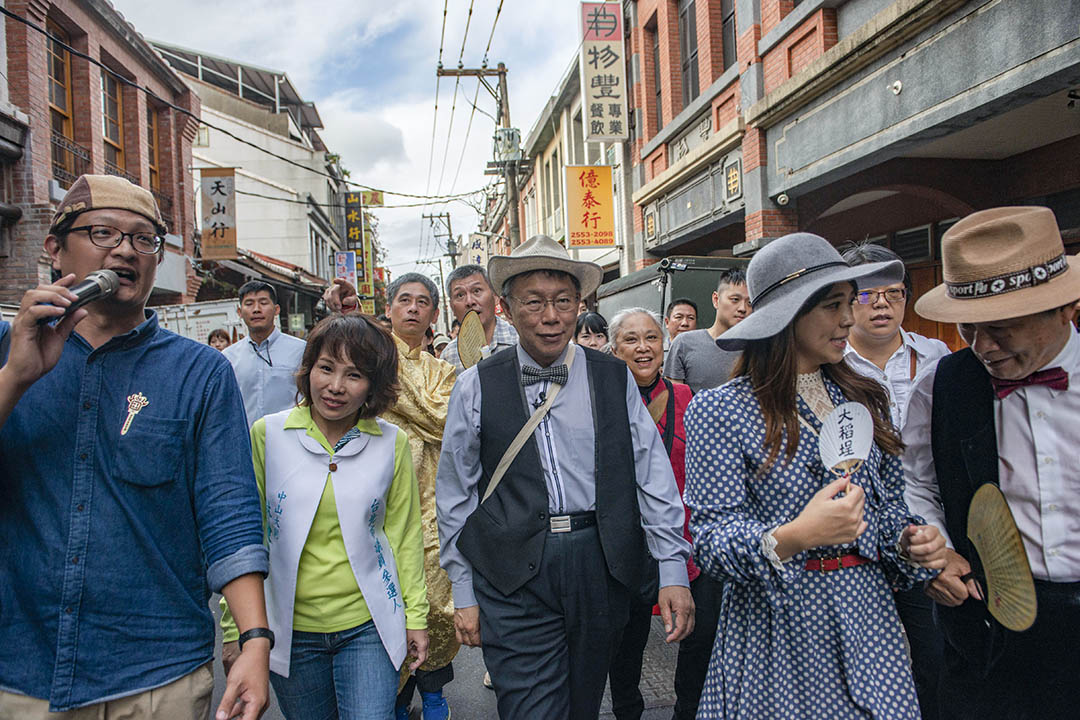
(1004, 411)
(543, 547)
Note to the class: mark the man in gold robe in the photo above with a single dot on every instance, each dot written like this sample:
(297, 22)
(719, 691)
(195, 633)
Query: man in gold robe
(426, 383)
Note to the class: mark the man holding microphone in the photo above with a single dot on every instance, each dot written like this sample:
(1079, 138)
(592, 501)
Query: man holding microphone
(125, 500)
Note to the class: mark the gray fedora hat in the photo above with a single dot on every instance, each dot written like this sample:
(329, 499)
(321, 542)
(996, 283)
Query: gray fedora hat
(784, 274)
(542, 253)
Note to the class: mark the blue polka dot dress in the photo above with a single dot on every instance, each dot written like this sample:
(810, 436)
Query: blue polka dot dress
(794, 643)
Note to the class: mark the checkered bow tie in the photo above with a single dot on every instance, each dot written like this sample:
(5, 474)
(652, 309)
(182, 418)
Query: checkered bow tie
(557, 374)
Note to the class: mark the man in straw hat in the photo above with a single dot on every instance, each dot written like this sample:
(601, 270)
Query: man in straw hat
(1004, 411)
(125, 499)
(544, 558)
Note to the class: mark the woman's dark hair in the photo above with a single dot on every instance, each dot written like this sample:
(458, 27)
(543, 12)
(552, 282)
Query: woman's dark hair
(594, 322)
(219, 333)
(772, 367)
(367, 345)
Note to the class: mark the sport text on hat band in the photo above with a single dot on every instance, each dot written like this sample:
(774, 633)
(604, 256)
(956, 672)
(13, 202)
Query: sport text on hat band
(794, 276)
(1008, 282)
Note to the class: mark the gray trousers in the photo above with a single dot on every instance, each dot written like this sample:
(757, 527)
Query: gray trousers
(548, 645)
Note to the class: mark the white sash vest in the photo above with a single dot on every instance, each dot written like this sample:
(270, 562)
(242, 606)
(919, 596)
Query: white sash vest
(296, 470)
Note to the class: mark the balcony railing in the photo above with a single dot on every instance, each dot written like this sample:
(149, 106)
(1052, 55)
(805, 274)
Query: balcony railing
(111, 169)
(69, 160)
(166, 206)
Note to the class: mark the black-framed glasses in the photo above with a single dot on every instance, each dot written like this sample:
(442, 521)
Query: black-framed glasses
(869, 297)
(562, 304)
(108, 237)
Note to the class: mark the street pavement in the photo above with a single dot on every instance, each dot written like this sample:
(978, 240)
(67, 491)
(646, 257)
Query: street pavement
(470, 700)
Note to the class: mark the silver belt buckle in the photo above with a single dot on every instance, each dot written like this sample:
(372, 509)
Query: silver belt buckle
(560, 523)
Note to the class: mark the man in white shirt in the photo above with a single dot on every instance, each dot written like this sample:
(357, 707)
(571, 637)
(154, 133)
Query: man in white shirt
(882, 350)
(266, 361)
(1006, 411)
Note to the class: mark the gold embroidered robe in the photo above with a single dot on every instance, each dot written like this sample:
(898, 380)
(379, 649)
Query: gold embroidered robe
(426, 383)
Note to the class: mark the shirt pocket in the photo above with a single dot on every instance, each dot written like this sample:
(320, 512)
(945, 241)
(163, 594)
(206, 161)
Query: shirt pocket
(151, 453)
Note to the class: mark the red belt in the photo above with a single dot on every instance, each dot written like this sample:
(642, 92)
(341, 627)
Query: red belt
(828, 564)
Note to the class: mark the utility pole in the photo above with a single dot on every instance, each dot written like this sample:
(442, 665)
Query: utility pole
(507, 139)
(451, 244)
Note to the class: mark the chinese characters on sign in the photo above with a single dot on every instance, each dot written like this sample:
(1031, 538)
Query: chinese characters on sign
(371, 198)
(345, 266)
(590, 206)
(477, 252)
(358, 239)
(218, 213)
(603, 72)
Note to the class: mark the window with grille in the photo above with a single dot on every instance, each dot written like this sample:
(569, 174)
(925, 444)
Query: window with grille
(112, 127)
(912, 245)
(152, 148)
(59, 82)
(727, 32)
(688, 47)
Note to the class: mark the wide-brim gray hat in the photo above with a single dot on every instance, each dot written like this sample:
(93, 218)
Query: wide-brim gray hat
(542, 253)
(784, 274)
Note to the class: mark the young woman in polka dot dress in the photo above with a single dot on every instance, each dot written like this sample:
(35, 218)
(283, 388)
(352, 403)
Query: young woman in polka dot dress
(808, 628)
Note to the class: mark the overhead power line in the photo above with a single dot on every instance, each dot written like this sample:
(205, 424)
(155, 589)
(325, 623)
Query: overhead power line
(341, 205)
(184, 111)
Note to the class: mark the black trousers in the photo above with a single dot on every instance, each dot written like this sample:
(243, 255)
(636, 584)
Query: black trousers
(625, 673)
(916, 612)
(425, 681)
(1034, 676)
(696, 649)
(548, 645)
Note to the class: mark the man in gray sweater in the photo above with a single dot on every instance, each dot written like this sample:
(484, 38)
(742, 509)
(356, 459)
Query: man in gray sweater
(694, 358)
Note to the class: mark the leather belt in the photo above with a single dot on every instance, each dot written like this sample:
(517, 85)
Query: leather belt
(836, 562)
(569, 523)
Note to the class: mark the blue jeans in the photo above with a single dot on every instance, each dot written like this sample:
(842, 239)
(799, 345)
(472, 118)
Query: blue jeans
(344, 674)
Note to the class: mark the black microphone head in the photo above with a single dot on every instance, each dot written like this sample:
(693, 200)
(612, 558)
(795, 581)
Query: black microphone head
(106, 280)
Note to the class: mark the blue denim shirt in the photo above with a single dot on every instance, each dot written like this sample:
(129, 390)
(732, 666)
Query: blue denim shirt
(114, 533)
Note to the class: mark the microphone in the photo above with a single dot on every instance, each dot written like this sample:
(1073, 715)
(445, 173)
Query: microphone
(97, 285)
(540, 400)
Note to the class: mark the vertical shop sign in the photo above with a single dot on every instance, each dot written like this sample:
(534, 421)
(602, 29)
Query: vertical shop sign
(218, 189)
(603, 72)
(590, 206)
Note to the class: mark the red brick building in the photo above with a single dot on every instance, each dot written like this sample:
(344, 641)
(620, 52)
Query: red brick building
(80, 119)
(854, 119)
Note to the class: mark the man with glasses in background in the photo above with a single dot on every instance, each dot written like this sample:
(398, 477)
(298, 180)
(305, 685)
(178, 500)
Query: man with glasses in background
(128, 489)
(882, 350)
(266, 361)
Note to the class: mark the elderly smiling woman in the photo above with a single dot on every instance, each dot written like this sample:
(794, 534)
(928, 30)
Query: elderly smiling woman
(637, 338)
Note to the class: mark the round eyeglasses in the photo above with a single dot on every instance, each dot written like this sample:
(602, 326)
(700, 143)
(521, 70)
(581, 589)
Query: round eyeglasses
(562, 304)
(869, 297)
(108, 237)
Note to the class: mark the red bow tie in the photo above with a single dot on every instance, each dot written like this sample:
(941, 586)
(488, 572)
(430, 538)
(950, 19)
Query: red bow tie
(1054, 378)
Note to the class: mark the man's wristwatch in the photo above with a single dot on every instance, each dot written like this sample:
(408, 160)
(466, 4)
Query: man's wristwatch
(259, 632)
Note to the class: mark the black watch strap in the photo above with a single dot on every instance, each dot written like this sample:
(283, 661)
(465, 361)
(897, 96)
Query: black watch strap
(259, 632)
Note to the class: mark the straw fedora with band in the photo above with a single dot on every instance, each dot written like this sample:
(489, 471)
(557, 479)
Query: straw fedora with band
(542, 253)
(784, 274)
(999, 264)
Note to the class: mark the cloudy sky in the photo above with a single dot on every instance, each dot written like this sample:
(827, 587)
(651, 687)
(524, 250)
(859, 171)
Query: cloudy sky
(369, 66)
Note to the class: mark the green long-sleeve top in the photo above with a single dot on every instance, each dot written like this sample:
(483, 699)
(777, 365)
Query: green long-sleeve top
(328, 598)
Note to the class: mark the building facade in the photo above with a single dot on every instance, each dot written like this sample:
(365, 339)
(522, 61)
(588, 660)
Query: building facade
(881, 120)
(286, 207)
(77, 118)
